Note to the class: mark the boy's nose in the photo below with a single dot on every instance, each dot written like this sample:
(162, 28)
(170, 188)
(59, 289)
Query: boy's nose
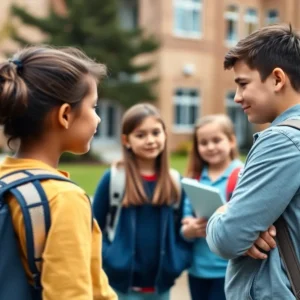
(237, 97)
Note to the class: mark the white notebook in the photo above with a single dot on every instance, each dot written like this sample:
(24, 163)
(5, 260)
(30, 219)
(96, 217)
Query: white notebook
(204, 199)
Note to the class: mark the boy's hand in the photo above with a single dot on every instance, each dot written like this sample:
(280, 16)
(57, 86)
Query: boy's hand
(194, 227)
(266, 241)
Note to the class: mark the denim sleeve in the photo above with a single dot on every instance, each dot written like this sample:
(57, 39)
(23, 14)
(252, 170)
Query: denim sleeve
(264, 191)
(187, 212)
(187, 208)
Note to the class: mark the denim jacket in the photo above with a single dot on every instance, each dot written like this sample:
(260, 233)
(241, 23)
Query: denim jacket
(268, 188)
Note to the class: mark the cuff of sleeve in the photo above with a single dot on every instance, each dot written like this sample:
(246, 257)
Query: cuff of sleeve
(186, 239)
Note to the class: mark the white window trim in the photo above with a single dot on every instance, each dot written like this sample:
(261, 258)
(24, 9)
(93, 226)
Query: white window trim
(182, 129)
(250, 19)
(189, 5)
(186, 100)
(102, 127)
(271, 20)
(232, 16)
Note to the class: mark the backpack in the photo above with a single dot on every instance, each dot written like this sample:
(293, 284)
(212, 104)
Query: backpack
(231, 183)
(285, 245)
(26, 187)
(116, 193)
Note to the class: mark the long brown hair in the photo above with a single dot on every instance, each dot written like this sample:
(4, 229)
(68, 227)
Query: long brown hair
(195, 161)
(166, 190)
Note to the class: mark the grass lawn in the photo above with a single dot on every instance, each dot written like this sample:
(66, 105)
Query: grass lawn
(88, 175)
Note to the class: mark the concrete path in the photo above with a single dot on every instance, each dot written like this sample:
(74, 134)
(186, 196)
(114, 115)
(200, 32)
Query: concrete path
(181, 291)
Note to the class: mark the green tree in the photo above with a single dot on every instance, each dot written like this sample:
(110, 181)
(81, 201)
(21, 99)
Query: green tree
(94, 27)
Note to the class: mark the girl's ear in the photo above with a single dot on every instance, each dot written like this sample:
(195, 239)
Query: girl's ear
(64, 115)
(125, 142)
(233, 141)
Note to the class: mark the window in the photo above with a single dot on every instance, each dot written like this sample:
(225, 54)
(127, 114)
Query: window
(242, 127)
(231, 19)
(272, 17)
(186, 108)
(188, 18)
(109, 113)
(251, 21)
(128, 14)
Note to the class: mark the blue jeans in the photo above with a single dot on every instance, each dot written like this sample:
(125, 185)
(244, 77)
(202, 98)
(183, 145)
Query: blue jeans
(206, 289)
(143, 296)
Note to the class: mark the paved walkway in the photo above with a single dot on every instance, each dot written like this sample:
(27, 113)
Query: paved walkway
(181, 291)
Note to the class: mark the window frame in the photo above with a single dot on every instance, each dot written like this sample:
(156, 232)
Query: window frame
(189, 6)
(268, 18)
(186, 101)
(234, 17)
(250, 19)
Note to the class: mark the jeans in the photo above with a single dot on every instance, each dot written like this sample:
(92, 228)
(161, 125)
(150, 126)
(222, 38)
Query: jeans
(143, 296)
(206, 289)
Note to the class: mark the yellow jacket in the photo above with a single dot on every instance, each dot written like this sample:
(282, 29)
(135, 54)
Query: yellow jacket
(72, 264)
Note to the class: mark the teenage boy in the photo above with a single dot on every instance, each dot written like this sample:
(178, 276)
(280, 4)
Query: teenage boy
(266, 67)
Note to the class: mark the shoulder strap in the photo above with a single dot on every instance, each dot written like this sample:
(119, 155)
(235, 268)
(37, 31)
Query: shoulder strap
(285, 245)
(116, 185)
(231, 183)
(27, 189)
(116, 192)
(288, 255)
(294, 123)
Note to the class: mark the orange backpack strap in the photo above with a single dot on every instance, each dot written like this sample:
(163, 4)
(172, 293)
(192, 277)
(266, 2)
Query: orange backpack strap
(232, 181)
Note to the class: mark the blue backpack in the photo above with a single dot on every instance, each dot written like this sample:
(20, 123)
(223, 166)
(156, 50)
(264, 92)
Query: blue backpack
(26, 188)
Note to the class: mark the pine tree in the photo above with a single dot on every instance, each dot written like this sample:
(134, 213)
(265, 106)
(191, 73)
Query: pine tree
(94, 27)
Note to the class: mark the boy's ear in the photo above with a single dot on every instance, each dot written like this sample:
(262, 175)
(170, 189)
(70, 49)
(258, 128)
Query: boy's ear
(280, 79)
(125, 142)
(64, 115)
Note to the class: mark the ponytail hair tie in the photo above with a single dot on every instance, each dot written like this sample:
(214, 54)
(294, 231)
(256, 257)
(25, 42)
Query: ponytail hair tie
(18, 64)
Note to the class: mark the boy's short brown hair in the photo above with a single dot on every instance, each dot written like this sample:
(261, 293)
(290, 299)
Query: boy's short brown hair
(275, 46)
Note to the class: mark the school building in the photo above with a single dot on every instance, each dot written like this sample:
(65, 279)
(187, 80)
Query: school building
(194, 35)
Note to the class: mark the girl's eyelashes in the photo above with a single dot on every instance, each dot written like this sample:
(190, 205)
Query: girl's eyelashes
(215, 140)
(156, 132)
(140, 135)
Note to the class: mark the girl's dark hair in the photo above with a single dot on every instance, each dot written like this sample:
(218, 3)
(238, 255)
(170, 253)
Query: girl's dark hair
(274, 46)
(166, 190)
(36, 80)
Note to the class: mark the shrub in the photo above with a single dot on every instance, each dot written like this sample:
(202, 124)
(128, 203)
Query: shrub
(89, 157)
(183, 148)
